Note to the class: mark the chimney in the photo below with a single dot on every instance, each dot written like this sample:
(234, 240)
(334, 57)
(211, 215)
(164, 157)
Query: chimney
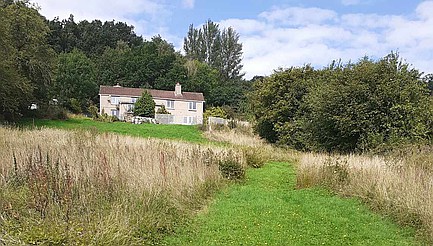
(117, 85)
(178, 89)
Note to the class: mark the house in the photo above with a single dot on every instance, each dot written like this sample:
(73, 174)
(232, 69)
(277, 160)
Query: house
(184, 107)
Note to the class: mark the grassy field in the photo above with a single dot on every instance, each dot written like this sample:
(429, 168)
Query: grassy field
(399, 185)
(75, 187)
(84, 187)
(177, 132)
(268, 210)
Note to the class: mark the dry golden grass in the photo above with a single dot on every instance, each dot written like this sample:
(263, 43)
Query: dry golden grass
(146, 163)
(251, 144)
(135, 187)
(400, 187)
(235, 137)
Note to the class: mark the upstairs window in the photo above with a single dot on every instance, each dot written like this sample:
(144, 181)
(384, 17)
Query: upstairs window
(115, 100)
(170, 104)
(192, 105)
(133, 100)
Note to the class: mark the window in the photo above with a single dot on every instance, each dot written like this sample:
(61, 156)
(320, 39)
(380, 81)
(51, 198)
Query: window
(188, 120)
(170, 104)
(115, 100)
(133, 100)
(130, 107)
(115, 113)
(192, 105)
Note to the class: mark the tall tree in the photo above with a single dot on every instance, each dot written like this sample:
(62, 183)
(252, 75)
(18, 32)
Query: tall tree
(218, 48)
(231, 55)
(15, 90)
(191, 44)
(90, 37)
(75, 79)
(113, 67)
(27, 59)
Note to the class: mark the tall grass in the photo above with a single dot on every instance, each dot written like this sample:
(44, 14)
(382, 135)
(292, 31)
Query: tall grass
(83, 187)
(256, 150)
(398, 185)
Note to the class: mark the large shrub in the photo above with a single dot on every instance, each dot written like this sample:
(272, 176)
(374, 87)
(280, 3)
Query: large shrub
(370, 104)
(145, 106)
(356, 106)
(277, 102)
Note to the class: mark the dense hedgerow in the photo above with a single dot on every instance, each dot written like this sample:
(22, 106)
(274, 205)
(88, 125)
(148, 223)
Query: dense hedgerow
(356, 106)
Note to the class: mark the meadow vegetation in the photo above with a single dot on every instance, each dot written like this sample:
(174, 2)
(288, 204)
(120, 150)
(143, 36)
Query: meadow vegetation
(89, 186)
(86, 187)
(398, 185)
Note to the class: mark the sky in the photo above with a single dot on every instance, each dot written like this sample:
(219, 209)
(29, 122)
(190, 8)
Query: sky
(276, 33)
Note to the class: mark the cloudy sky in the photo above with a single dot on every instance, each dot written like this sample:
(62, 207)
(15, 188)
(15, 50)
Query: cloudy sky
(279, 33)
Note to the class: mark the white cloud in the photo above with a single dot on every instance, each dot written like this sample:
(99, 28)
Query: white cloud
(246, 26)
(296, 36)
(295, 16)
(144, 15)
(425, 10)
(189, 4)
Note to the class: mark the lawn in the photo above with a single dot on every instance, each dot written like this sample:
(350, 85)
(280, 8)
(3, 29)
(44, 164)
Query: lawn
(177, 132)
(268, 210)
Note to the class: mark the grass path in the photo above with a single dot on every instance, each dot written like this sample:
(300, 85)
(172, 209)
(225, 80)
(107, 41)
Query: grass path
(267, 210)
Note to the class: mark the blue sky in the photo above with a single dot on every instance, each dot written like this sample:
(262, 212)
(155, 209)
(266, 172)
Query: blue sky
(277, 33)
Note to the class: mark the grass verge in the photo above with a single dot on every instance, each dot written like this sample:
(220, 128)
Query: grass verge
(400, 188)
(268, 210)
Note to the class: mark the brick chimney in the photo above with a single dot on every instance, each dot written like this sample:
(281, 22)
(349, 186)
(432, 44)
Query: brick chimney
(178, 89)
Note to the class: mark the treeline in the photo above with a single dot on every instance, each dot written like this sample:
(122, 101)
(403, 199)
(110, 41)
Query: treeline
(65, 61)
(367, 105)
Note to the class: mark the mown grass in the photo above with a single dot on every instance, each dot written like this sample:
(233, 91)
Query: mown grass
(175, 132)
(268, 210)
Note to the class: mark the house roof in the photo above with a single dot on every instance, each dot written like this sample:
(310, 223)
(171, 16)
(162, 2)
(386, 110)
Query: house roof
(136, 92)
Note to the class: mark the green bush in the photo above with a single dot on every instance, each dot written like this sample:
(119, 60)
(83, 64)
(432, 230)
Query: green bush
(145, 106)
(353, 107)
(75, 105)
(214, 112)
(93, 110)
(254, 157)
(231, 169)
(162, 110)
(106, 118)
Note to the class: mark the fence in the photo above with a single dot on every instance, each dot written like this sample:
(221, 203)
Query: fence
(164, 118)
(227, 122)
